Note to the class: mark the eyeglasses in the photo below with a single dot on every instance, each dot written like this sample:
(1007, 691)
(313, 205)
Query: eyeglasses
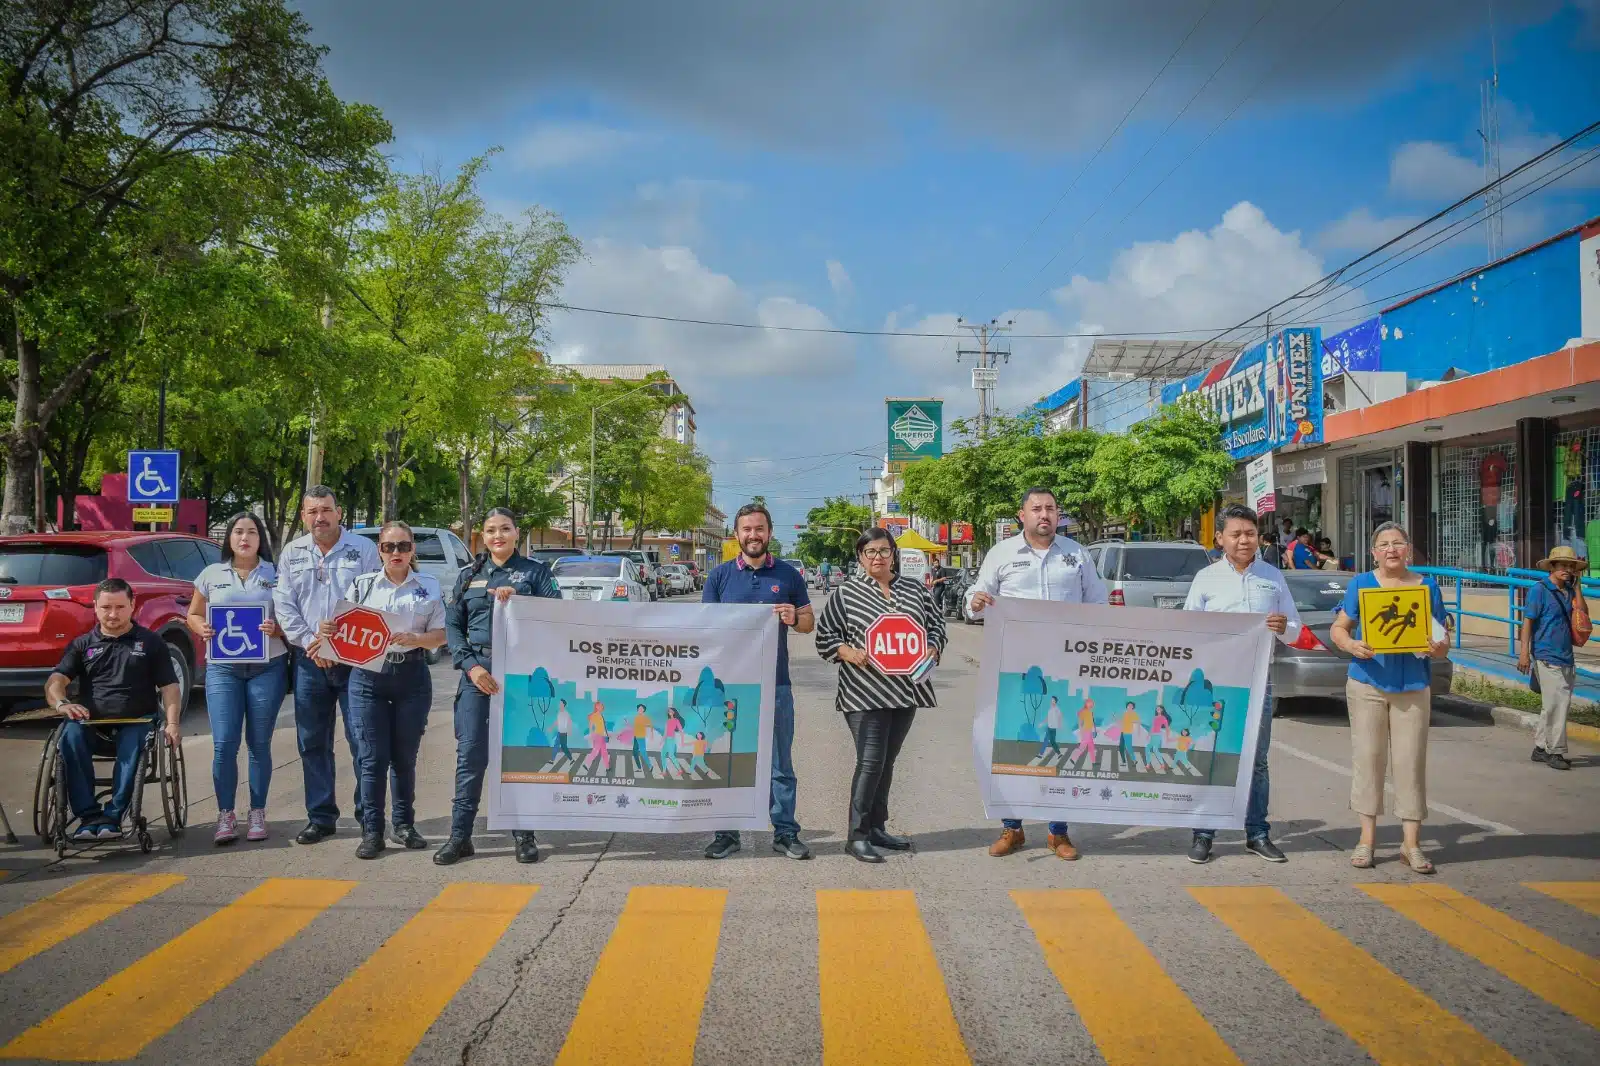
(1384, 549)
(877, 553)
(391, 547)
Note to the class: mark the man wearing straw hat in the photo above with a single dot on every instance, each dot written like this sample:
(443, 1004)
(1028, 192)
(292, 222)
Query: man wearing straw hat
(1547, 650)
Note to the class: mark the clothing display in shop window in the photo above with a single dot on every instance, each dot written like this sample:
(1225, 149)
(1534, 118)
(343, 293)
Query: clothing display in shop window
(1491, 473)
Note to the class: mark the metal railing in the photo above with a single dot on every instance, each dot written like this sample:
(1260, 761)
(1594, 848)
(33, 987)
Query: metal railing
(1512, 582)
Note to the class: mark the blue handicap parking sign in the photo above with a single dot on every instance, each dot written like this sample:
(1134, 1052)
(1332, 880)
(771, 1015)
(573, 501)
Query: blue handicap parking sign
(152, 477)
(236, 635)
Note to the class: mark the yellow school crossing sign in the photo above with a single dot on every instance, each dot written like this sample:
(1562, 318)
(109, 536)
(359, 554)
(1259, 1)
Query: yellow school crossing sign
(1397, 619)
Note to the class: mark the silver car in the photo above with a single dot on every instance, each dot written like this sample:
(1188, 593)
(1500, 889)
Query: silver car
(440, 554)
(1319, 672)
(679, 580)
(599, 577)
(1149, 573)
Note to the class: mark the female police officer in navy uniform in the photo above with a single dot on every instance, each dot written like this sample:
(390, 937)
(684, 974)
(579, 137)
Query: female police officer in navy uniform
(498, 573)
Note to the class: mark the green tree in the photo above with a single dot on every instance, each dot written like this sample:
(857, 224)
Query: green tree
(831, 531)
(1162, 470)
(138, 134)
(670, 491)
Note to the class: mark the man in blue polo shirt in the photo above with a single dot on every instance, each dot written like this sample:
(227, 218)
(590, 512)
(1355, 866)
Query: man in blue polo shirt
(754, 576)
(1547, 650)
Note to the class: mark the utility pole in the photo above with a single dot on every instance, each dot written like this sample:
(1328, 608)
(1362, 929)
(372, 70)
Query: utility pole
(868, 474)
(313, 445)
(984, 375)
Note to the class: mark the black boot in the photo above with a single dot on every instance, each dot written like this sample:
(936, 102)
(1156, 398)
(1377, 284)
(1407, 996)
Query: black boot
(454, 849)
(863, 850)
(371, 844)
(884, 839)
(527, 848)
(408, 837)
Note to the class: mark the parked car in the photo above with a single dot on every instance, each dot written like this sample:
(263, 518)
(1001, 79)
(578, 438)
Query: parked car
(801, 567)
(1320, 671)
(697, 574)
(47, 600)
(548, 556)
(440, 554)
(650, 574)
(1149, 573)
(600, 577)
(679, 581)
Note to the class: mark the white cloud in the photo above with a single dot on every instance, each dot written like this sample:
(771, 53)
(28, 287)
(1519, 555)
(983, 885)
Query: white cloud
(839, 279)
(673, 211)
(1441, 173)
(563, 144)
(1360, 230)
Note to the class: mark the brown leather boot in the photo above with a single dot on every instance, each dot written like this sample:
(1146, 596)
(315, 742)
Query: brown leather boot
(1010, 840)
(1062, 846)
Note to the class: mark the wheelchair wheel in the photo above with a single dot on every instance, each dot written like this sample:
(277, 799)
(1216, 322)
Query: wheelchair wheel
(60, 808)
(44, 787)
(174, 785)
(141, 768)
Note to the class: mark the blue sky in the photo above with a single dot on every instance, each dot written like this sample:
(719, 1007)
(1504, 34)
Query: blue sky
(896, 164)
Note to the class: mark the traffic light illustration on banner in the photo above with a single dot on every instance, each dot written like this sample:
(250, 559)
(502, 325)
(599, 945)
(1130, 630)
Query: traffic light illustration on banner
(730, 715)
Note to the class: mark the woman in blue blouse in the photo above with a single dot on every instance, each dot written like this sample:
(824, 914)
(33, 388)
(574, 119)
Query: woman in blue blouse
(1390, 699)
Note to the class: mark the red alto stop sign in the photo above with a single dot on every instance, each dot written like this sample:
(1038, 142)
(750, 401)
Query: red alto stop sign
(360, 636)
(896, 644)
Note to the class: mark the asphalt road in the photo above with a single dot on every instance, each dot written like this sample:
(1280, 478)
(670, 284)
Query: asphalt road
(636, 949)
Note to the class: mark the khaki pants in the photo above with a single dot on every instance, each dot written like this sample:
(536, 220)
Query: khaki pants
(1388, 728)
(1555, 691)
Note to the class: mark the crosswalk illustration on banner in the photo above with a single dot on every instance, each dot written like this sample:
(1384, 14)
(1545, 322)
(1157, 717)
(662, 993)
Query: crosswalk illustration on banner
(624, 764)
(382, 1009)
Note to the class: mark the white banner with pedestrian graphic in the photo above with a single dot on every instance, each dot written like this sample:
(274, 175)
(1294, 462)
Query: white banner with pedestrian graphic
(1120, 715)
(631, 717)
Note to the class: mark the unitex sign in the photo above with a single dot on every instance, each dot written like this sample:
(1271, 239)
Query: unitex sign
(360, 637)
(896, 644)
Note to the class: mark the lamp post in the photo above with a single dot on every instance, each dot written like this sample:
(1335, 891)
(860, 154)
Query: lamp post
(588, 515)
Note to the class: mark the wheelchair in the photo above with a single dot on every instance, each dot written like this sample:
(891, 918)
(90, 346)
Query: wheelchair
(158, 764)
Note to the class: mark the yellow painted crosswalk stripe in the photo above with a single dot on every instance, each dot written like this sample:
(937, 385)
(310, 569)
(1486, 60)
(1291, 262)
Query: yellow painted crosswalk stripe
(639, 1007)
(42, 925)
(380, 1012)
(1584, 895)
(1394, 1022)
(126, 1013)
(883, 997)
(1544, 966)
(1116, 985)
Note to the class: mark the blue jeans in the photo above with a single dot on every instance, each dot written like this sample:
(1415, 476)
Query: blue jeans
(77, 751)
(242, 700)
(1255, 814)
(472, 758)
(319, 696)
(1058, 828)
(784, 784)
(391, 712)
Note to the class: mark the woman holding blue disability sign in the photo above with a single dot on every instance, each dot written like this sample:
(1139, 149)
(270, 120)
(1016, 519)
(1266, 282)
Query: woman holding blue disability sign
(242, 698)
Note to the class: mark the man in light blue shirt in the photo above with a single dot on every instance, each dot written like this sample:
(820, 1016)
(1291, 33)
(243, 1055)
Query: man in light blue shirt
(1037, 564)
(1241, 583)
(315, 572)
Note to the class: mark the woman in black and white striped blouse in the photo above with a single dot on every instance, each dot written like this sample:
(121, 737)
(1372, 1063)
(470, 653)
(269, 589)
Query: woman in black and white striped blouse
(878, 707)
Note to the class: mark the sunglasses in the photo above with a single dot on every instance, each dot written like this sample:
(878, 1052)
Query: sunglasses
(391, 547)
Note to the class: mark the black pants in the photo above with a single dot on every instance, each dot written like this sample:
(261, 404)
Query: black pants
(879, 735)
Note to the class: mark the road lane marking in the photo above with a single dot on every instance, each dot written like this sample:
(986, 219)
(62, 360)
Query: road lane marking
(130, 1010)
(1395, 1023)
(1584, 895)
(379, 1014)
(1433, 805)
(1116, 985)
(42, 925)
(637, 1010)
(1541, 964)
(861, 984)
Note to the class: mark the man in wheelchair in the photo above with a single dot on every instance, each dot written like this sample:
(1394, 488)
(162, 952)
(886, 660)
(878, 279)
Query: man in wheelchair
(120, 667)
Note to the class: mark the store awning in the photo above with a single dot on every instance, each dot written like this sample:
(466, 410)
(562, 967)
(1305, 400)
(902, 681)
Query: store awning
(912, 539)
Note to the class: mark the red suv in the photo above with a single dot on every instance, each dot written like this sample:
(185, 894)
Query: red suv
(47, 598)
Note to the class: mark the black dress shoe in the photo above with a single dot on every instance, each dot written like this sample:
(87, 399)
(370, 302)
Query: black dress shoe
(884, 839)
(722, 845)
(1539, 755)
(314, 833)
(1200, 850)
(791, 846)
(527, 848)
(863, 850)
(371, 844)
(1266, 849)
(407, 837)
(454, 849)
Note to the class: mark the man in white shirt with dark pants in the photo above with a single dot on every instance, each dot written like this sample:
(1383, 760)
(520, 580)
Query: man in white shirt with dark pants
(1037, 564)
(1240, 583)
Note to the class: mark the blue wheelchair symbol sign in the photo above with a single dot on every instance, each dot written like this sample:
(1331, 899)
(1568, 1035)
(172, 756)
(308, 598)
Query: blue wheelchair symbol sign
(152, 477)
(236, 635)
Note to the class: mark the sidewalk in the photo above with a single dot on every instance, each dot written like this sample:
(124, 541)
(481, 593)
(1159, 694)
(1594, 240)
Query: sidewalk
(1487, 655)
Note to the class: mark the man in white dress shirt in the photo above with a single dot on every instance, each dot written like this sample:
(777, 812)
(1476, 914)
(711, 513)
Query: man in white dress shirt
(1241, 583)
(1037, 564)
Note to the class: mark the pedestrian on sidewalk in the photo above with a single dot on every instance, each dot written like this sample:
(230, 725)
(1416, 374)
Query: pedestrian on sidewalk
(316, 573)
(1038, 564)
(1243, 583)
(1547, 650)
(756, 576)
(1390, 698)
(242, 699)
(498, 573)
(879, 708)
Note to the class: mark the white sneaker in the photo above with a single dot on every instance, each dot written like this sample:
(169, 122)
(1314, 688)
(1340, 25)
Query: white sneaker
(225, 833)
(258, 824)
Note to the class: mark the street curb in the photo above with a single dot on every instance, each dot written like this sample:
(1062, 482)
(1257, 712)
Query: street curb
(1511, 718)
